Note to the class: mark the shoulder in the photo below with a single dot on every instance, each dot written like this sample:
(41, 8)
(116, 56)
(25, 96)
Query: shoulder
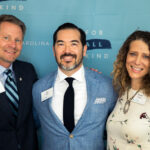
(45, 82)
(102, 86)
(25, 69)
(101, 82)
(22, 64)
(99, 78)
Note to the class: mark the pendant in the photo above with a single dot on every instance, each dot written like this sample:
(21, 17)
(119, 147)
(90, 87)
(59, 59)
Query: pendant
(126, 107)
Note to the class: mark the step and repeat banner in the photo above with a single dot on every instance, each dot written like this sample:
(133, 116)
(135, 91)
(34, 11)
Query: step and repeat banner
(107, 24)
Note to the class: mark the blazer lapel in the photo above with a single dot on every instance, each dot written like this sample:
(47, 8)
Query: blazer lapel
(46, 104)
(23, 104)
(91, 90)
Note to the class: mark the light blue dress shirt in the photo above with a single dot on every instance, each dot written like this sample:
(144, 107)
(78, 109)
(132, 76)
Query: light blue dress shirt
(3, 76)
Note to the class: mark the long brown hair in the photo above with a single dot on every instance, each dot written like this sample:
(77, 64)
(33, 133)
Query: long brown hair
(121, 79)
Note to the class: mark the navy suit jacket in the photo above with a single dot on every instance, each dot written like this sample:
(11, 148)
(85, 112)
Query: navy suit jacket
(19, 133)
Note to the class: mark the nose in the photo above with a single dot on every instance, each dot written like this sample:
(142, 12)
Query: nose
(67, 48)
(138, 60)
(12, 43)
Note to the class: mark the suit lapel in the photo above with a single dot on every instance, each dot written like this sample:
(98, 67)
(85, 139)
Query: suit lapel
(23, 105)
(91, 95)
(47, 104)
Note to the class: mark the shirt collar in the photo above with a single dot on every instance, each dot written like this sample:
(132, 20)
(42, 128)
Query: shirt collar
(79, 75)
(2, 69)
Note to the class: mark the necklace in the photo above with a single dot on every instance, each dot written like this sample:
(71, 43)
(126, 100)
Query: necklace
(127, 103)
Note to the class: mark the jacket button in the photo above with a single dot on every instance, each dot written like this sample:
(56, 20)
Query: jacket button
(71, 136)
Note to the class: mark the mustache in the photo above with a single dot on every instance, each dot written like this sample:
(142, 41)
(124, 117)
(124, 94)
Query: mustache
(68, 54)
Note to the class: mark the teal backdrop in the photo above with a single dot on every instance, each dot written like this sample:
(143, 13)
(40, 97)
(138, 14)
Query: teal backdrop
(107, 24)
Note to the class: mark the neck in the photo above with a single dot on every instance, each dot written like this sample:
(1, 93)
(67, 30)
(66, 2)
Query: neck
(6, 65)
(136, 84)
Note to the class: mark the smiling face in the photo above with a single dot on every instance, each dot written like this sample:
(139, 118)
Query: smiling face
(11, 37)
(68, 50)
(138, 62)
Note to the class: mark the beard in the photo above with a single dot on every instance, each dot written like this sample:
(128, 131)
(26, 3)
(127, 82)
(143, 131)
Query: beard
(74, 66)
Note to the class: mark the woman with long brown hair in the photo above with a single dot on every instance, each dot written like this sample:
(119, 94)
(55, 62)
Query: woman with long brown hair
(128, 126)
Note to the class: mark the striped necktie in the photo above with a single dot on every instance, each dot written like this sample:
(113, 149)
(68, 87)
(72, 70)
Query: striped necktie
(11, 91)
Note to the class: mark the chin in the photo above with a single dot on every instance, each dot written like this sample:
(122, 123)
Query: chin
(136, 77)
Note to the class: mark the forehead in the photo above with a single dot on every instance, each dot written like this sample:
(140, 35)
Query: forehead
(11, 29)
(139, 45)
(10, 26)
(68, 35)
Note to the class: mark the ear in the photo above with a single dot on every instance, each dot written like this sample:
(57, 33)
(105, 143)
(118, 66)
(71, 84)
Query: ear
(84, 50)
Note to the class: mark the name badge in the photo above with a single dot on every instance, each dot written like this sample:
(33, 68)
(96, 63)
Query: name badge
(139, 98)
(46, 94)
(2, 89)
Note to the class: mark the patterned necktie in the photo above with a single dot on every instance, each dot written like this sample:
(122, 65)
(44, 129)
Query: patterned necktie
(11, 91)
(68, 107)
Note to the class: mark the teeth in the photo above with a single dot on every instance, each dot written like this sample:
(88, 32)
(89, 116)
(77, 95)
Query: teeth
(10, 51)
(67, 58)
(137, 69)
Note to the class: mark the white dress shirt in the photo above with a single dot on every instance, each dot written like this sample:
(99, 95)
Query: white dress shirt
(80, 92)
(3, 76)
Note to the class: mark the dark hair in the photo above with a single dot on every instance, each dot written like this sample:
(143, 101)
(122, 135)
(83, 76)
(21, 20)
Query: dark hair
(121, 79)
(14, 20)
(70, 26)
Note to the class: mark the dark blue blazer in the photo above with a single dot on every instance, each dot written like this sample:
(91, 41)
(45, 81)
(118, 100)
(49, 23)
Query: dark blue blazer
(19, 133)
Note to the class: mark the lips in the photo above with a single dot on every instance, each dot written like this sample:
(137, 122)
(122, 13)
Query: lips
(67, 57)
(136, 69)
(10, 51)
(67, 54)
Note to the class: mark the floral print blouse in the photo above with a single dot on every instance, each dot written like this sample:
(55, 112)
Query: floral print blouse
(130, 131)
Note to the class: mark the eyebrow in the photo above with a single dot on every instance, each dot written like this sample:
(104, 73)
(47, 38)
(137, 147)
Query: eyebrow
(146, 54)
(133, 51)
(70, 41)
(75, 41)
(59, 41)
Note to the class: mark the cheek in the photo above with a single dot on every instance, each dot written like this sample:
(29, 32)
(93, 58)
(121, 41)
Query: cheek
(3, 45)
(127, 67)
(148, 66)
(19, 47)
(128, 59)
(57, 55)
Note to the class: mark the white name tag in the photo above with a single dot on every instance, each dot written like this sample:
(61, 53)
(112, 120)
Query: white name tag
(46, 94)
(140, 98)
(2, 89)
